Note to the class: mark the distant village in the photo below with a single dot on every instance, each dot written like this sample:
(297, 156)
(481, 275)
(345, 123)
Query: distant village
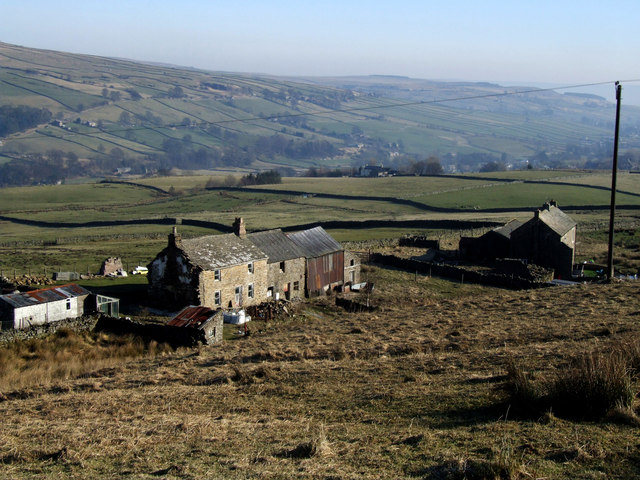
(217, 279)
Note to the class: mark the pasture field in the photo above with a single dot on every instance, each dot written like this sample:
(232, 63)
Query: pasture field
(418, 389)
(50, 227)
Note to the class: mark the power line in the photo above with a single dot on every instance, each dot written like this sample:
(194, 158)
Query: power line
(342, 110)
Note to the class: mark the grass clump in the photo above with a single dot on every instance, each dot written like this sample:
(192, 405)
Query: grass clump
(66, 354)
(591, 387)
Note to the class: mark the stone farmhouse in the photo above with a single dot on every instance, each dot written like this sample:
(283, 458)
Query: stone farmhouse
(241, 269)
(53, 304)
(216, 271)
(548, 239)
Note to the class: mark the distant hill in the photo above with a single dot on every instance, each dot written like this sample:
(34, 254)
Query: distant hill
(113, 115)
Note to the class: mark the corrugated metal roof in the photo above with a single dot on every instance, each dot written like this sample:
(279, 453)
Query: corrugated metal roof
(276, 245)
(216, 251)
(44, 295)
(315, 242)
(192, 317)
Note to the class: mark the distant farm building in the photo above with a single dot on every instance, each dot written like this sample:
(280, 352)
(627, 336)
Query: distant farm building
(548, 240)
(237, 270)
(374, 171)
(49, 305)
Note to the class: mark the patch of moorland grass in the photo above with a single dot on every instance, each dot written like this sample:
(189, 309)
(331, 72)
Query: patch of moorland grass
(66, 354)
(592, 386)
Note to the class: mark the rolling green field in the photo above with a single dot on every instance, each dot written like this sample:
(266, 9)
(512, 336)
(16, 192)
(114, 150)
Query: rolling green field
(48, 228)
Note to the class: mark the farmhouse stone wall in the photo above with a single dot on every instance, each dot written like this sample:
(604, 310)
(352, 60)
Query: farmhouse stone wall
(230, 278)
(283, 282)
(351, 268)
(173, 281)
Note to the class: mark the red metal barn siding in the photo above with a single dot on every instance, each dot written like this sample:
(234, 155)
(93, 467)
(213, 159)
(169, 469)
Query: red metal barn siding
(324, 271)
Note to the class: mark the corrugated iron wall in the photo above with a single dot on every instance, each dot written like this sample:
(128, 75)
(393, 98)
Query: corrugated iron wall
(324, 271)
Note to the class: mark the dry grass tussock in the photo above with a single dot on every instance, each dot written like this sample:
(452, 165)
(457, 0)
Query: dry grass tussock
(67, 354)
(417, 389)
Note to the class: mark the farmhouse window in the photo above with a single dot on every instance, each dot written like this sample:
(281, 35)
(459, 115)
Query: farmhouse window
(352, 262)
(68, 304)
(216, 275)
(217, 299)
(250, 267)
(282, 265)
(238, 295)
(270, 292)
(296, 285)
(250, 290)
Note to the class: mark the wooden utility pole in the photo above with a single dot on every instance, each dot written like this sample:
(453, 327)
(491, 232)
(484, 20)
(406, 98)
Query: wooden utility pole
(614, 175)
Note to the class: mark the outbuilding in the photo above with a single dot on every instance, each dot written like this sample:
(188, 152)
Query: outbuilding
(47, 305)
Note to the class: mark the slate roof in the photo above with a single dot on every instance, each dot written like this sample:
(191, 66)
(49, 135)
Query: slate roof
(506, 229)
(45, 295)
(276, 245)
(556, 219)
(192, 317)
(315, 242)
(217, 251)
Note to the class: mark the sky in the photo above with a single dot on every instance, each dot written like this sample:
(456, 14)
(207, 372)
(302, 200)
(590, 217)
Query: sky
(526, 42)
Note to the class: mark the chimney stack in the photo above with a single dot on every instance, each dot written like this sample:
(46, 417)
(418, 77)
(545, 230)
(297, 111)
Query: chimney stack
(239, 228)
(174, 237)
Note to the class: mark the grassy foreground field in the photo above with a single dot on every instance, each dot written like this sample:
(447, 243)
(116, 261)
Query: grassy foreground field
(417, 389)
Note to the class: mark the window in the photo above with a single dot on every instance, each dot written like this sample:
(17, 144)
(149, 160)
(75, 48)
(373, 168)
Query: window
(270, 292)
(217, 298)
(352, 276)
(353, 262)
(296, 285)
(216, 275)
(282, 266)
(238, 295)
(250, 290)
(68, 304)
(250, 267)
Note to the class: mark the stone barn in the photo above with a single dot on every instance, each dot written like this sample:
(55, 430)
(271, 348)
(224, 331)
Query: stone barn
(548, 240)
(494, 244)
(216, 271)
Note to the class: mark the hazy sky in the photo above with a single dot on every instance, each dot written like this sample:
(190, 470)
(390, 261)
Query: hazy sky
(528, 42)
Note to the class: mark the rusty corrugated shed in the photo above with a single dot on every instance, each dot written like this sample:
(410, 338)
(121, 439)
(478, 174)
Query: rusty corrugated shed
(325, 270)
(192, 317)
(45, 295)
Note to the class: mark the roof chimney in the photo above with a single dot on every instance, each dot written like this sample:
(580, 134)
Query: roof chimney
(174, 237)
(238, 227)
